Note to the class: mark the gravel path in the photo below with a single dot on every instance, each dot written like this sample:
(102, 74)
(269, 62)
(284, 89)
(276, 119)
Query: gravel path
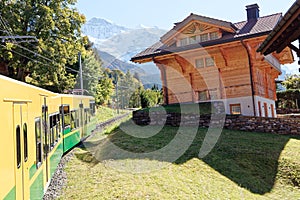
(59, 179)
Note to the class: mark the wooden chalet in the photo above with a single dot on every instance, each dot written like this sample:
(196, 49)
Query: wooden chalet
(204, 59)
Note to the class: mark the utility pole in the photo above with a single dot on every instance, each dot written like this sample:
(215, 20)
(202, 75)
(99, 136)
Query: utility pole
(117, 94)
(80, 72)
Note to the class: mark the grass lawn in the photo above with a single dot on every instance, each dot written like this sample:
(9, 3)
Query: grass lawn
(242, 165)
(105, 113)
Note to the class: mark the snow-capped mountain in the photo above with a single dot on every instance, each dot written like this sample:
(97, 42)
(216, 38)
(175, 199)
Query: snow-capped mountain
(101, 29)
(117, 45)
(127, 44)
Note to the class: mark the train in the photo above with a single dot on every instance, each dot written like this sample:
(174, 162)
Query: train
(37, 127)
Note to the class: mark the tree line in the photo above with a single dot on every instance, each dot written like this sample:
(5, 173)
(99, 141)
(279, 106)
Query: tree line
(289, 98)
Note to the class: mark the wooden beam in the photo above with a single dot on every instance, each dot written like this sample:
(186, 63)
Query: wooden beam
(293, 47)
(164, 81)
(185, 64)
(224, 55)
(288, 38)
(279, 33)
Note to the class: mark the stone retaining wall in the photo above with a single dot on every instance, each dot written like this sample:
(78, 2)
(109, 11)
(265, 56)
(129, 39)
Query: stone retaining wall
(287, 126)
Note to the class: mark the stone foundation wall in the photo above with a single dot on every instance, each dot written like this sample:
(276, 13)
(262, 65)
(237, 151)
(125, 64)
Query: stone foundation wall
(286, 126)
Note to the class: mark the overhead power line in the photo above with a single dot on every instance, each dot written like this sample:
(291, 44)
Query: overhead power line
(18, 39)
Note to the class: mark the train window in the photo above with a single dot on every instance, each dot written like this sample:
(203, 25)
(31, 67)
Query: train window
(50, 130)
(58, 125)
(51, 138)
(66, 116)
(54, 130)
(45, 131)
(77, 119)
(25, 142)
(73, 120)
(38, 140)
(18, 144)
(92, 108)
(85, 116)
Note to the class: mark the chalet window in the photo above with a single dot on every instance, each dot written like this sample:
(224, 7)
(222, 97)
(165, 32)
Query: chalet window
(203, 96)
(213, 94)
(213, 35)
(184, 42)
(205, 62)
(204, 37)
(193, 40)
(199, 63)
(198, 38)
(235, 109)
(209, 62)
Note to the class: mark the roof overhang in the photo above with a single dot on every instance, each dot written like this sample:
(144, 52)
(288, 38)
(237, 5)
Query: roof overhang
(284, 33)
(172, 50)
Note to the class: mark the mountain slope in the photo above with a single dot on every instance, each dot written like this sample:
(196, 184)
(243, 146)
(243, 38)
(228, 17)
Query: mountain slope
(101, 29)
(149, 74)
(111, 62)
(117, 45)
(127, 44)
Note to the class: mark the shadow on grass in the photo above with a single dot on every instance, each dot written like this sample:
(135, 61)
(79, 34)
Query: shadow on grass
(249, 159)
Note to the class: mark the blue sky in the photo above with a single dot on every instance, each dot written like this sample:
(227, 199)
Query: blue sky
(164, 13)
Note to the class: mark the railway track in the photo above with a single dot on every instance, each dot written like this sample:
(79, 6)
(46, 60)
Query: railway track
(59, 178)
(109, 122)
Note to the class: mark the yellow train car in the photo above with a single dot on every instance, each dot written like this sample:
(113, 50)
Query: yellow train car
(37, 128)
(78, 122)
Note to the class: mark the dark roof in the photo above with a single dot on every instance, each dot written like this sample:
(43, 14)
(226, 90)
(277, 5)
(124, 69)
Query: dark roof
(242, 30)
(285, 32)
(263, 24)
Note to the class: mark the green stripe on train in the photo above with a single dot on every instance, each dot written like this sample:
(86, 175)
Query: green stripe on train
(37, 187)
(11, 194)
(71, 140)
(32, 171)
(67, 130)
(55, 158)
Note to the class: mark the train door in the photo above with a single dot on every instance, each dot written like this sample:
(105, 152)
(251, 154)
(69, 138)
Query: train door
(21, 150)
